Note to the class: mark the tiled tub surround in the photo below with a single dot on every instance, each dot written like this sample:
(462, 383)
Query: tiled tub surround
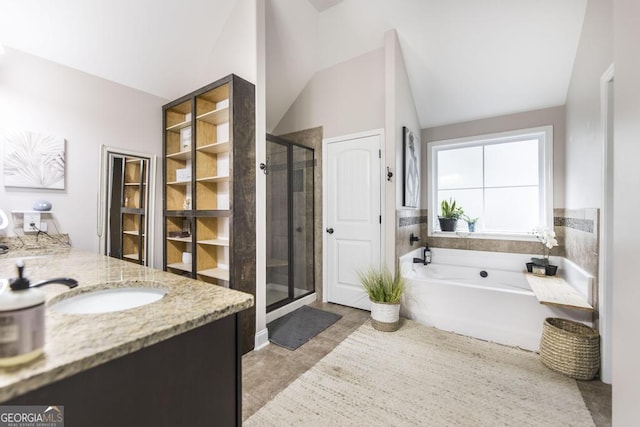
(453, 295)
(410, 221)
(579, 230)
(76, 343)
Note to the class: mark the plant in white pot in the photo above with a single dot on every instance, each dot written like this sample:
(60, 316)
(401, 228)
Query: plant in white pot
(385, 292)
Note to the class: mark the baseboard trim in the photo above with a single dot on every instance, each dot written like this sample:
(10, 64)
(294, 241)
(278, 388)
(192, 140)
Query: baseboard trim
(276, 314)
(261, 339)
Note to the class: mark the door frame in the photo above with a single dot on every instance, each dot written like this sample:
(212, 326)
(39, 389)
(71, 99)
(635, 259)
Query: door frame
(605, 268)
(325, 166)
(103, 202)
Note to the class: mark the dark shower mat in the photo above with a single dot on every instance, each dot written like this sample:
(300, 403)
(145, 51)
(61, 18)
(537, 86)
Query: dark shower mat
(296, 328)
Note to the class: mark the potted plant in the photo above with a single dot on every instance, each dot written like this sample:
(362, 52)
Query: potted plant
(449, 215)
(471, 223)
(541, 266)
(385, 292)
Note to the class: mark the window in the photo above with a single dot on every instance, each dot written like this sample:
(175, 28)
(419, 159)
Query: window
(504, 180)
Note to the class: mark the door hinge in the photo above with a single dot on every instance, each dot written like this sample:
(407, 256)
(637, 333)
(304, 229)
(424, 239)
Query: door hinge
(380, 219)
(379, 153)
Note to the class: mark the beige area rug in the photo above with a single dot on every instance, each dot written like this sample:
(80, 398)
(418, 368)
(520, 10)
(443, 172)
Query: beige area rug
(420, 376)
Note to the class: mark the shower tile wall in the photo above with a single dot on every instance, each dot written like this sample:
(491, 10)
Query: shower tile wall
(277, 232)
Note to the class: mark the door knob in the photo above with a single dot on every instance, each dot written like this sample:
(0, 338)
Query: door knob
(330, 230)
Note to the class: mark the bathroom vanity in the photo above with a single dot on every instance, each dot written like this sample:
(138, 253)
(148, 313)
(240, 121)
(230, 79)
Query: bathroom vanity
(176, 361)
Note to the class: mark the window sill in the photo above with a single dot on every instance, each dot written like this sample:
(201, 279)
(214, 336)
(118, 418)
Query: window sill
(463, 234)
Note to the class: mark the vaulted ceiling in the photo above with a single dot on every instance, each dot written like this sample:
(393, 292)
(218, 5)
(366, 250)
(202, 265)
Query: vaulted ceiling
(466, 59)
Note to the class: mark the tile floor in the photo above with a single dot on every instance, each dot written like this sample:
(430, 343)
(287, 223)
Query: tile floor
(270, 370)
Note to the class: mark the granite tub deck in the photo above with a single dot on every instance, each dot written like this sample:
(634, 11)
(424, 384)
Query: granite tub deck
(78, 342)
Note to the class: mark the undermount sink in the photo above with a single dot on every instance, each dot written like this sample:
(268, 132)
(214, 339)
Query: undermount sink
(108, 300)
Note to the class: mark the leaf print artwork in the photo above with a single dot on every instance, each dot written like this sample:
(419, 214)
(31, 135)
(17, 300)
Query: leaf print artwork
(33, 160)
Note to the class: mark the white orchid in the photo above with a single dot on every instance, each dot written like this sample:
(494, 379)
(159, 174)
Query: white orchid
(548, 239)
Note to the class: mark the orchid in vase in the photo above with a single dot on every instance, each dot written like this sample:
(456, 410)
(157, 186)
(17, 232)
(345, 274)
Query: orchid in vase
(547, 238)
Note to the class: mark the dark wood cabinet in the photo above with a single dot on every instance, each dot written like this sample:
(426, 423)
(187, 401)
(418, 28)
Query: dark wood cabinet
(192, 379)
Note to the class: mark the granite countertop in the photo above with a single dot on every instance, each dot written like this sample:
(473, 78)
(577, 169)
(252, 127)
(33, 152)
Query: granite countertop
(77, 342)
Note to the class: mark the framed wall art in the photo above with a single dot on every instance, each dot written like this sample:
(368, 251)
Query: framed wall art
(33, 160)
(411, 169)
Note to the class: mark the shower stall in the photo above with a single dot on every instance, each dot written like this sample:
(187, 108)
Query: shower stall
(290, 217)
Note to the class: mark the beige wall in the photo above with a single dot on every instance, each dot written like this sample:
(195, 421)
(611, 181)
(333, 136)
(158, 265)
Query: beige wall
(86, 111)
(626, 287)
(554, 116)
(344, 99)
(400, 111)
(584, 135)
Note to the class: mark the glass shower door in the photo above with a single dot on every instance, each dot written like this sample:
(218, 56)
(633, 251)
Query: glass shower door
(290, 218)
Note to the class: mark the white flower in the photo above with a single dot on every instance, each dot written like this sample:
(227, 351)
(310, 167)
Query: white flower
(546, 236)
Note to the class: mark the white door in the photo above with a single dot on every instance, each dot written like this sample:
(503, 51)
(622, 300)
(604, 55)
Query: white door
(353, 219)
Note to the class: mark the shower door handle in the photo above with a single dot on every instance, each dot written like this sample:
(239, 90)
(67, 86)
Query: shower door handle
(330, 230)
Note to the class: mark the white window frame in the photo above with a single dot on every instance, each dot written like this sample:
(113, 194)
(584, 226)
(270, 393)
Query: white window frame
(545, 176)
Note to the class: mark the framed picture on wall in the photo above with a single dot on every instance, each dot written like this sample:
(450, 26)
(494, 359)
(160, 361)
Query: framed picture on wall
(33, 160)
(411, 169)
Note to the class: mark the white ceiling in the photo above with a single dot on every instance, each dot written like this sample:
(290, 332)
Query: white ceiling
(158, 47)
(322, 5)
(466, 59)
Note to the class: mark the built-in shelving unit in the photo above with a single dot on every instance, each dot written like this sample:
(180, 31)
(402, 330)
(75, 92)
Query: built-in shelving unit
(209, 191)
(134, 195)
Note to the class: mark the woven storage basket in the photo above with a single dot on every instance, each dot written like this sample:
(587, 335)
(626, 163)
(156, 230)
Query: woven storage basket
(570, 348)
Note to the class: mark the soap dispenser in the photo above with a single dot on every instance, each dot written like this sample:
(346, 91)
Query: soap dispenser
(21, 320)
(427, 255)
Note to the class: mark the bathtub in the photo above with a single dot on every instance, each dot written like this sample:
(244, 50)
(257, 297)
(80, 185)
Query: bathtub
(452, 295)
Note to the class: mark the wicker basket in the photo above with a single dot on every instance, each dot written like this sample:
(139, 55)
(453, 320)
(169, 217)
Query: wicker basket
(570, 348)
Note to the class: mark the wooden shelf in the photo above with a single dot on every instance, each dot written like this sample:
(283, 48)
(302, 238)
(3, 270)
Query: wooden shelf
(179, 183)
(218, 147)
(214, 242)
(132, 232)
(553, 290)
(133, 257)
(272, 263)
(215, 117)
(180, 155)
(132, 211)
(180, 266)
(214, 179)
(180, 239)
(178, 126)
(215, 273)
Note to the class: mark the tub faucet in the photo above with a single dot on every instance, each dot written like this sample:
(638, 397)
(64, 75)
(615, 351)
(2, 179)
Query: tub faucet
(413, 238)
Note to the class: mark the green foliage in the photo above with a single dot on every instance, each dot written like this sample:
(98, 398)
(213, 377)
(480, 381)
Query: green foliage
(448, 209)
(381, 286)
(469, 219)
